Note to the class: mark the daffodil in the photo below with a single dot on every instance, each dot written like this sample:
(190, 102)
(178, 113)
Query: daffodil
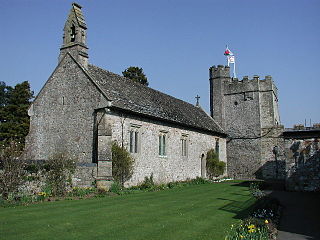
(251, 226)
(266, 221)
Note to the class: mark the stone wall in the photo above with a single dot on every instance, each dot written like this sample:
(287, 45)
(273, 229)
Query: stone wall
(61, 116)
(272, 157)
(171, 167)
(247, 109)
(303, 164)
(85, 175)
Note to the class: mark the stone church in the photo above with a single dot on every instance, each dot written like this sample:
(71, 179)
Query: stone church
(82, 109)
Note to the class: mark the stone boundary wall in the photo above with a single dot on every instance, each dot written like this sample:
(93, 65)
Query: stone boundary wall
(303, 164)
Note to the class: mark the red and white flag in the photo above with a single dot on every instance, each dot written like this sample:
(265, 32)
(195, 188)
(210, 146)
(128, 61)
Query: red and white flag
(227, 52)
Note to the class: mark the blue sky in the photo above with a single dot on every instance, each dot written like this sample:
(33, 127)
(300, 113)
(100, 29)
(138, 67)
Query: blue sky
(175, 42)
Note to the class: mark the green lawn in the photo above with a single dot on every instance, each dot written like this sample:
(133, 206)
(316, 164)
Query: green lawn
(193, 212)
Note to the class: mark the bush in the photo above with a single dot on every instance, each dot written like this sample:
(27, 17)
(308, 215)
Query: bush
(198, 180)
(12, 174)
(147, 183)
(255, 190)
(81, 191)
(60, 167)
(214, 167)
(115, 187)
(122, 164)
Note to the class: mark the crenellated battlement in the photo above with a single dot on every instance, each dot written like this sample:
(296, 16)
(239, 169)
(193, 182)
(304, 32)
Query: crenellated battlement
(247, 84)
(219, 71)
(245, 79)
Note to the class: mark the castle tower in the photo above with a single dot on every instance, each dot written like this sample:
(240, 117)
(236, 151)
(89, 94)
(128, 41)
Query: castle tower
(248, 112)
(74, 36)
(218, 76)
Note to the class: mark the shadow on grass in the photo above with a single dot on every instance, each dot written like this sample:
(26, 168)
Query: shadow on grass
(242, 209)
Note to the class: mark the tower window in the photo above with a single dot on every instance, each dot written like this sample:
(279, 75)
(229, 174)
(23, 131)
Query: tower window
(73, 33)
(235, 103)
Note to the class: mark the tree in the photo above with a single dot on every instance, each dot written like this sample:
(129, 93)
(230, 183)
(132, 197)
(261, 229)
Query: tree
(122, 164)
(4, 93)
(14, 104)
(12, 171)
(136, 74)
(214, 167)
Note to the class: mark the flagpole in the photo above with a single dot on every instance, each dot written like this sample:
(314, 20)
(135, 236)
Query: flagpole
(234, 69)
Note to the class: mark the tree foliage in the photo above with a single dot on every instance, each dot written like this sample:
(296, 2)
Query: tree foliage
(214, 167)
(12, 169)
(122, 164)
(136, 74)
(14, 104)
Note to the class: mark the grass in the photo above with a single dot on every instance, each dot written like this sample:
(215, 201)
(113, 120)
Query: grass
(193, 212)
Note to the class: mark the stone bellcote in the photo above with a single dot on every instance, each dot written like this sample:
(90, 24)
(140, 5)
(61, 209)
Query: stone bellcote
(74, 36)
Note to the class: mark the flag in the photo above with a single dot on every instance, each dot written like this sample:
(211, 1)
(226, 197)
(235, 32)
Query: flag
(227, 52)
(231, 59)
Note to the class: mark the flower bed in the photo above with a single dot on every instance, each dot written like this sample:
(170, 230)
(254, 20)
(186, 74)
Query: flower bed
(263, 220)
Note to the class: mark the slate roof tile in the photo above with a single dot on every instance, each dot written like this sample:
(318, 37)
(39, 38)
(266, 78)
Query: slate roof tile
(135, 97)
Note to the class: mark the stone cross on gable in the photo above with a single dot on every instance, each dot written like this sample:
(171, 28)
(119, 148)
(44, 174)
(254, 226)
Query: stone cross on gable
(197, 97)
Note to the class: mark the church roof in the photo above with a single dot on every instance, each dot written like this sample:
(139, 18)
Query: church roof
(134, 97)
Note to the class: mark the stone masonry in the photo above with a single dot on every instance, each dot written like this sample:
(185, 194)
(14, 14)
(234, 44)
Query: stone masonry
(171, 167)
(82, 109)
(302, 151)
(248, 111)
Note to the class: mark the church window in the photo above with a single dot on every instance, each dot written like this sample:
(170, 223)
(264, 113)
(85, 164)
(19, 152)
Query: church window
(162, 144)
(217, 147)
(184, 145)
(134, 140)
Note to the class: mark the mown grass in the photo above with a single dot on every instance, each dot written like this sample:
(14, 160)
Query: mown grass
(193, 212)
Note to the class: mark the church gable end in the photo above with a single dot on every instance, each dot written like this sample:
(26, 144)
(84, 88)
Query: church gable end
(62, 114)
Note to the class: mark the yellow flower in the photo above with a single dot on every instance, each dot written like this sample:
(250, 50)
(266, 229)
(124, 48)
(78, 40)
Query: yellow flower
(266, 221)
(251, 230)
(242, 237)
(251, 226)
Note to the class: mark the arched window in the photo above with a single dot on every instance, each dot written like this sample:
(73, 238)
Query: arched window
(73, 33)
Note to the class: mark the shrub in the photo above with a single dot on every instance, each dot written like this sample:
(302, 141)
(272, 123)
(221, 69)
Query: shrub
(255, 190)
(122, 164)
(198, 180)
(81, 191)
(12, 174)
(59, 169)
(148, 183)
(116, 187)
(214, 167)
